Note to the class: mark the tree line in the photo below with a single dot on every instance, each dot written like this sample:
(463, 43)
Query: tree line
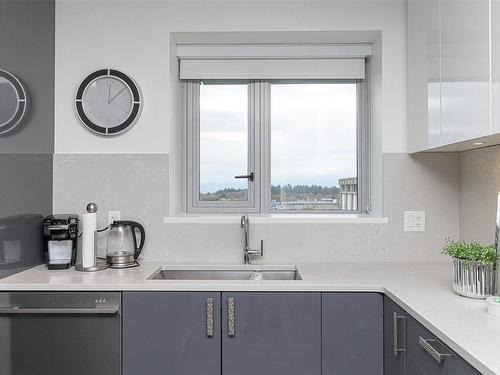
(288, 189)
(304, 189)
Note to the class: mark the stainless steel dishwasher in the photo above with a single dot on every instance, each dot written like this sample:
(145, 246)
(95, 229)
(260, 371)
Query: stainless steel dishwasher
(60, 333)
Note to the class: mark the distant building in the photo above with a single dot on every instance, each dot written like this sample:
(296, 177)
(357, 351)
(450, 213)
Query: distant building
(348, 193)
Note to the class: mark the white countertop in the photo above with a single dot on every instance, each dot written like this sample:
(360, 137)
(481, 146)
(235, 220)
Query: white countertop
(422, 289)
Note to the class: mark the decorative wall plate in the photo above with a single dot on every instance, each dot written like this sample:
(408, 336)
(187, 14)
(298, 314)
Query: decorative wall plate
(108, 102)
(13, 102)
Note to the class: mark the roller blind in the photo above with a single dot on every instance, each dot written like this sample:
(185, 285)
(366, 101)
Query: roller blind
(320, 61)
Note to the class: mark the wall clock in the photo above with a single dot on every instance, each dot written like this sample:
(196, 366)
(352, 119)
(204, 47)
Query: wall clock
(108, 102)
(13, 102)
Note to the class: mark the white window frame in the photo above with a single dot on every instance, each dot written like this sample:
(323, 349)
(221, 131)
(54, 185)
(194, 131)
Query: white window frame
(259, 151)
(191, 135)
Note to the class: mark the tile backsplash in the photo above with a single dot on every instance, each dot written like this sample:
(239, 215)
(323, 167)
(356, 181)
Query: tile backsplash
(479, 187)
(137, 185)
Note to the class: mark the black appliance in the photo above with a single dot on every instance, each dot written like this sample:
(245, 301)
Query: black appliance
(21, 238)
(61, 236)
(60, 333)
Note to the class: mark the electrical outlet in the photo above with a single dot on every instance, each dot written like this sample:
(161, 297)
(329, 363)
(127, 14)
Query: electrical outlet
(414, 221)
(113, 216)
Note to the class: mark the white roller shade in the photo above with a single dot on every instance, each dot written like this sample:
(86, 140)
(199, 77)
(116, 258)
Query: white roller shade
(273, 51)
(273, 69)
(273, 61)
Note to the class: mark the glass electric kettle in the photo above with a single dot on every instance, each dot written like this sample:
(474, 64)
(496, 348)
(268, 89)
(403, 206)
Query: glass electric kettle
(122, 250)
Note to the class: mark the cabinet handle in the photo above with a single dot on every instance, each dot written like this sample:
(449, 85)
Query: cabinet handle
(425, 343)
(231, 329)
(210, 316)
(395, 345)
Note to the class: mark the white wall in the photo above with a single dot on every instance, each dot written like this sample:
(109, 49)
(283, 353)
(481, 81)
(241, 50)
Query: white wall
(134, 36)
(138, 37)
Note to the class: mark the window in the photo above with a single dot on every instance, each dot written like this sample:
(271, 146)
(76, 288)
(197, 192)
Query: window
(223, 142)
(313, 145)
(275, 146)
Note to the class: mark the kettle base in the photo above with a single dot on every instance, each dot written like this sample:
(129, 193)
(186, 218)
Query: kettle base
(121, 260)
(124, 265)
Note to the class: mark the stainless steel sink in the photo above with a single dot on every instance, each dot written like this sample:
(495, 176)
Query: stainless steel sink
(254, 273)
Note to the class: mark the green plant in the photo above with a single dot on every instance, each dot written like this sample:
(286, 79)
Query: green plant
(470, 251)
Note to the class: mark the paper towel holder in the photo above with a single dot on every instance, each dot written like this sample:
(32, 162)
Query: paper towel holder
(100, 263)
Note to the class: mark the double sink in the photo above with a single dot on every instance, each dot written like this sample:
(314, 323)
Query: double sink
(235, 273)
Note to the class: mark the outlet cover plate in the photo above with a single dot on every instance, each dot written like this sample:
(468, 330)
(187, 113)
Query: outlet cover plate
(414, 221)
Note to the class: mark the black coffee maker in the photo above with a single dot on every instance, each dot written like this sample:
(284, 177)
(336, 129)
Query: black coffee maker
(61, 236)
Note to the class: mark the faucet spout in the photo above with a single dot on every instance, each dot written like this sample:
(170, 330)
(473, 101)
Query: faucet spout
(247, 251)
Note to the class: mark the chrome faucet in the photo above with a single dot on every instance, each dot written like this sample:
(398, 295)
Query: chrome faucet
(245, 225)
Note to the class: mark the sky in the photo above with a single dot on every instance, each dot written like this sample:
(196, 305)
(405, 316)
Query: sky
(313, 134)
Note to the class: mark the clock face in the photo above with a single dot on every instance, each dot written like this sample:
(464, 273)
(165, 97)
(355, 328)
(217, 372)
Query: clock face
(9, 102)
(13, 102)
(108, 102)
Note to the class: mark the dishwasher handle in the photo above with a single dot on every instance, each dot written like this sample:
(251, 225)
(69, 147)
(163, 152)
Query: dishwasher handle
(98, 310)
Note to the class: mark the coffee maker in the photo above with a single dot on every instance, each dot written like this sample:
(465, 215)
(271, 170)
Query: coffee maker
(60, 236)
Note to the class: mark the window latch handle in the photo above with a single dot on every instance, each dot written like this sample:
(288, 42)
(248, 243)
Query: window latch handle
(247, 176)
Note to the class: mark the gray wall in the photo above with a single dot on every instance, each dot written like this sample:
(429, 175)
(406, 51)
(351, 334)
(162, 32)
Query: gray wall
(25, 184)
(27, 49)
(479, 187)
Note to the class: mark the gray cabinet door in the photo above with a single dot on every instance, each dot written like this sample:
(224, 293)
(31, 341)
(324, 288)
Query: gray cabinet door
(274, 333)
(457, 365)
(166, 333)
(353, 329)
(394, 338)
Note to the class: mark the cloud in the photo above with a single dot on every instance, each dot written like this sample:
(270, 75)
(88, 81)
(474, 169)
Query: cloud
(313, 134)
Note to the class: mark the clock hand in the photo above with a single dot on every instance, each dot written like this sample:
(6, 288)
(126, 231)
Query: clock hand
(109, 92)
(118, 93)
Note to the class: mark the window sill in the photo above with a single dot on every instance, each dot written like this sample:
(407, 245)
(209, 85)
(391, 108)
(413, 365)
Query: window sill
(278, 219)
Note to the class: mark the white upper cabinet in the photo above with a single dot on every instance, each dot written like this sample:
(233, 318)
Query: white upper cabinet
(449, 73)
(424, 85)
(495, 66)
(465, 67)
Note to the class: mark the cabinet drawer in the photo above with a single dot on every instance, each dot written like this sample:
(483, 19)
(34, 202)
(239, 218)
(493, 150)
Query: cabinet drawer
(430, 356)
(425, 351)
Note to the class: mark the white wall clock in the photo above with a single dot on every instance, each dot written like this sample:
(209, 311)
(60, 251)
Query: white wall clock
(108, 102)
(13, 102)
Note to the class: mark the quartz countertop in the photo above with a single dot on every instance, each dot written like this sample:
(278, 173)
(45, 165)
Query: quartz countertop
(422, 289)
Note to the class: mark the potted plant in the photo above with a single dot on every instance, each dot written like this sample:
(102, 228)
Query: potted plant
(473, 267)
